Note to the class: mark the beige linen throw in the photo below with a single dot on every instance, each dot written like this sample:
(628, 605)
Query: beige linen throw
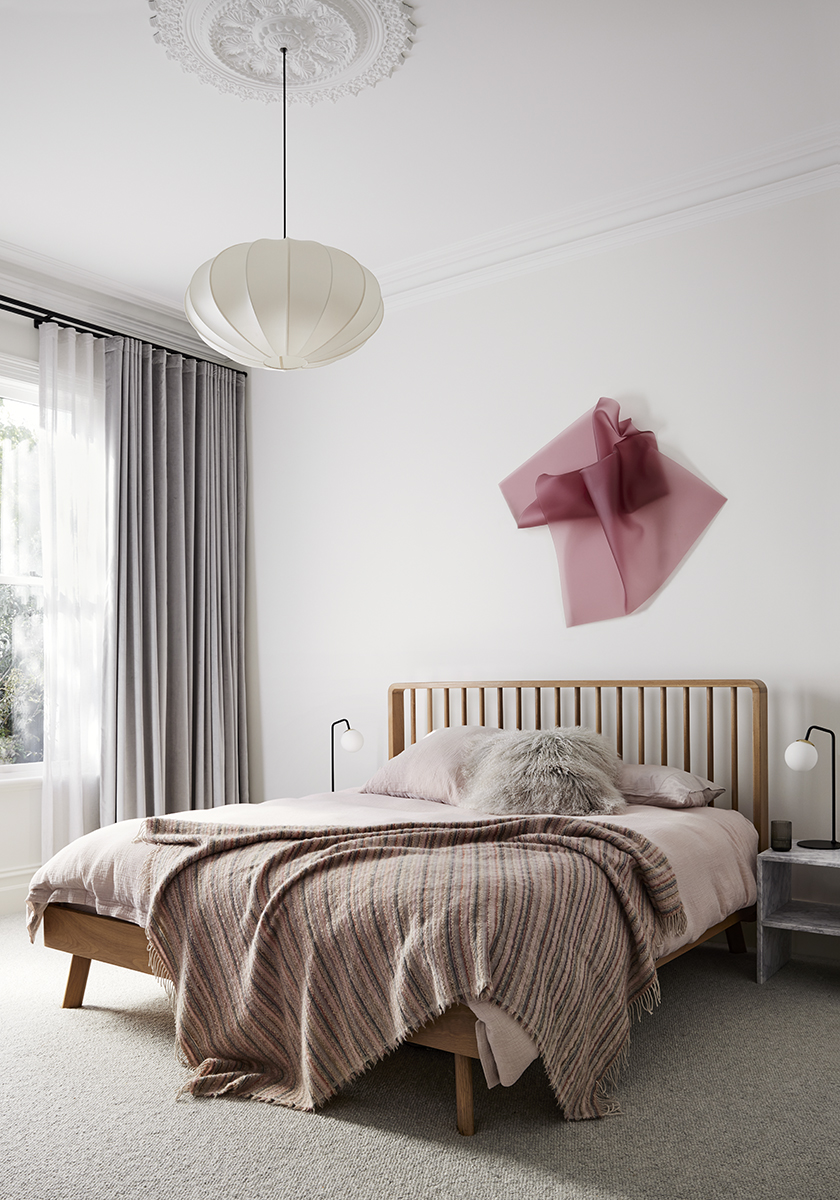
(299, 958)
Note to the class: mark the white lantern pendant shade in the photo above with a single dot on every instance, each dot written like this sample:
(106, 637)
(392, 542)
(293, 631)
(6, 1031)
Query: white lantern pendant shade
(284, 304)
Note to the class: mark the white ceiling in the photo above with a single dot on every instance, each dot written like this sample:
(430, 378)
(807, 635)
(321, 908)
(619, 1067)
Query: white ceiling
(117, 162)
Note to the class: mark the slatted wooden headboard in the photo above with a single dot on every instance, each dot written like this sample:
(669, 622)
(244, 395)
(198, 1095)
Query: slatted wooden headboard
(713, 727)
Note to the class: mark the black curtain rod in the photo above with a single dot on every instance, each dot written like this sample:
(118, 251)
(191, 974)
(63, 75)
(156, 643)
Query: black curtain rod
(41, 315)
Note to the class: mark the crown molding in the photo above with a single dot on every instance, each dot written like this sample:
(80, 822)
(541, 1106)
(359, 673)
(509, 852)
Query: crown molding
(49, 283)
(786, 170)
(18, 371)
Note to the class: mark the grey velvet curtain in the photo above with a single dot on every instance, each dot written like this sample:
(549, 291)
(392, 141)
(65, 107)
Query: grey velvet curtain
(174, 703)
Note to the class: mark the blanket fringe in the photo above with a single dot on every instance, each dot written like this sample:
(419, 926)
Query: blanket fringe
(672, 924)
(189, 1090)
(646, 1001)
(158, 969)
(608, 1106)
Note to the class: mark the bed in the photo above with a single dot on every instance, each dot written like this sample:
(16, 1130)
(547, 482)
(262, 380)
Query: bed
(715, 726)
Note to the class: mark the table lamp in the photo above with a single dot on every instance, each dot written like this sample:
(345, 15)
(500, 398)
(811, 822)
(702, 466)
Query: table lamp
(351, 740)
(802, 756)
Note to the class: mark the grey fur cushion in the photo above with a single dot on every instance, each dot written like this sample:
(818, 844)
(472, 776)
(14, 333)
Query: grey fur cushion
(568, 772)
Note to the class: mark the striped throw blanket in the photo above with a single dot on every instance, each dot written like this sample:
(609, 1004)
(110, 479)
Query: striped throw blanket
(298, 958)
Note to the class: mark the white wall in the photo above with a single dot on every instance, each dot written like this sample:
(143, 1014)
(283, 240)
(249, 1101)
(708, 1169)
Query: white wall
(20, 837)
(381, 547)
(18, 338)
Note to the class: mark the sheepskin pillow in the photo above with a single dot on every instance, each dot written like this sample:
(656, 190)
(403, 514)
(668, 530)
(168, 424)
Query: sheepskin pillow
(568, 772)
(666, 787)
(431, 768)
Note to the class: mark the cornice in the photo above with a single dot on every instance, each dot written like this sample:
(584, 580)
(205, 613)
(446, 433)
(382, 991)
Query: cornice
(784, 171)
(19, 370)
(49, 283)
(788, 170)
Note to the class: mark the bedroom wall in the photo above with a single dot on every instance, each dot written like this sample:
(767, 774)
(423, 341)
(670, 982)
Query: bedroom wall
(381, 547)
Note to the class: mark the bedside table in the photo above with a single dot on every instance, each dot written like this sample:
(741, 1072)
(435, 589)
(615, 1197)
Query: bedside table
(778, 915)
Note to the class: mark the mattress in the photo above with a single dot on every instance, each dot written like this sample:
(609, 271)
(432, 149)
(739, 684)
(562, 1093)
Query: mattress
(712, 850)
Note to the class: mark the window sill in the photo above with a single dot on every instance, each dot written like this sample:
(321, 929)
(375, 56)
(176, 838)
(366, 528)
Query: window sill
(16, 773)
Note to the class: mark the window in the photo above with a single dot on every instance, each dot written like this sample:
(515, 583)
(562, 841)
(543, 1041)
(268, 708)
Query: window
(21, 583)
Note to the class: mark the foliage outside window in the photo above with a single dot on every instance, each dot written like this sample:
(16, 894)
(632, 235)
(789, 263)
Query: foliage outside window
(21, 587)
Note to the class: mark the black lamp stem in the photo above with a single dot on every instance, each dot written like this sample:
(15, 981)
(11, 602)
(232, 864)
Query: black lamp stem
(343, 721)
(834, 845)
(830, 732)
(283, 52)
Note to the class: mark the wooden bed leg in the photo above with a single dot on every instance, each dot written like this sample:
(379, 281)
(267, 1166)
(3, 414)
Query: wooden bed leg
(74, 993)
(464, 1095)
(735, 938)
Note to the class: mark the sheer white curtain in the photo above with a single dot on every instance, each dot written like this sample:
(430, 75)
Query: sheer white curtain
(74, 501)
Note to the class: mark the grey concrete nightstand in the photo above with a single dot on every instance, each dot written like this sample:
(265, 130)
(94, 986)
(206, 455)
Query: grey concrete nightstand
(779, 916)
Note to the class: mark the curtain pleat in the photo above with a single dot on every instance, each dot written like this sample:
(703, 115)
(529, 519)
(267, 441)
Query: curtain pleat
(175, 732)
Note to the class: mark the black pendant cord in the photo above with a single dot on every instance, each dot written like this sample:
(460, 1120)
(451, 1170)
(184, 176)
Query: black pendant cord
(283, 52)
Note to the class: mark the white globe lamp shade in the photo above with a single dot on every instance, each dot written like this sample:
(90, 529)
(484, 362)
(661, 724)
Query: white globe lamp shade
(352, 740)
(801, 755)
(285, 305)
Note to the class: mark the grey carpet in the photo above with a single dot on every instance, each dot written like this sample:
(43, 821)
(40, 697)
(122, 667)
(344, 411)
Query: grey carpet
(733, 1090)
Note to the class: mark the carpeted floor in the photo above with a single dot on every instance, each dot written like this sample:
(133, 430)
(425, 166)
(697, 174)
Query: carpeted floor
(733, 1090)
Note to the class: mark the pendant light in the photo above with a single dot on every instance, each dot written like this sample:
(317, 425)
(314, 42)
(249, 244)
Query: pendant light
(284, 304)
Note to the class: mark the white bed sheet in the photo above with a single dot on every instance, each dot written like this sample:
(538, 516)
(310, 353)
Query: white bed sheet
(712, 850)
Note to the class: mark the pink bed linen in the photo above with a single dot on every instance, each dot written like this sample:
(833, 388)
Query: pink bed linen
(712, 851)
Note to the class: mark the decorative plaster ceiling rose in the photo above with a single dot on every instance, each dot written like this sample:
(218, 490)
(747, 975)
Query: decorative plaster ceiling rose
(335, 47)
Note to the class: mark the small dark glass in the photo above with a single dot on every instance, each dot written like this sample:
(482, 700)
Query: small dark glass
(780, 835)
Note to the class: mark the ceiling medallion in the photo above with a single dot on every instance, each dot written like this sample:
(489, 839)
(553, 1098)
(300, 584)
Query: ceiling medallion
(335, 47)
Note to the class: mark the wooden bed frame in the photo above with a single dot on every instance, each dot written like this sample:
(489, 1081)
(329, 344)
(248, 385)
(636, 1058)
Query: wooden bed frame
(650, 720)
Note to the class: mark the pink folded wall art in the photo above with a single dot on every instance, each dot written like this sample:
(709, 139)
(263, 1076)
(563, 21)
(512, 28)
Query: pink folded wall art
(622, 514)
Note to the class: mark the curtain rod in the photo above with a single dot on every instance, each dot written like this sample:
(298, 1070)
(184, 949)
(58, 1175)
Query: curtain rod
(41, 315)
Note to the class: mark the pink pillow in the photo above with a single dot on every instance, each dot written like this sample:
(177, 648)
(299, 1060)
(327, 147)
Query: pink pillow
(431, 769)
(667, 787)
